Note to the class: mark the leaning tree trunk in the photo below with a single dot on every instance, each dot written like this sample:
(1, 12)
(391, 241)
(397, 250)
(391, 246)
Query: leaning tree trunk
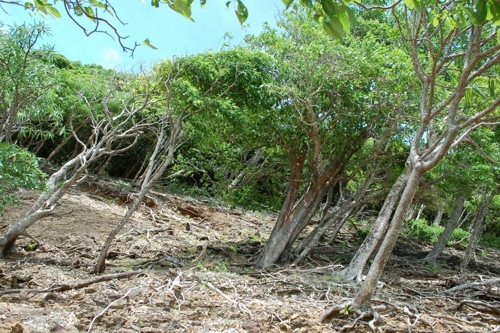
(296, 215)
(478, 226)
(57, 186)
(156, 167)
(286, 231)
(355, 268)
(337, 218)
(452, 224)
(364, 295)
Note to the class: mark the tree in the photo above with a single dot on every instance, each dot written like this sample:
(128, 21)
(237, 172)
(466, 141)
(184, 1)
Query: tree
(24, 76)
(326, 113)
(451, 56)
(467, 168)
(209, 83)
(113, 121)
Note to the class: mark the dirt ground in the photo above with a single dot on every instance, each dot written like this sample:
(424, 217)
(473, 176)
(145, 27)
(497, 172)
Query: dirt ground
(184, 265)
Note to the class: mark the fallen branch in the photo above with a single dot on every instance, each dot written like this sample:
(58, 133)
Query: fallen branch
(107, 307)
(75, 285)
(473, 304)
(472, 285)
(235, 303)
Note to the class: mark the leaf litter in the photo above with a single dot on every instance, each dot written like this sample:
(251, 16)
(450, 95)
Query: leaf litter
(184, 265)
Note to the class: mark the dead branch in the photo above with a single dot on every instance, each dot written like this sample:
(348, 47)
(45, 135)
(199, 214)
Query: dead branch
(242, 307)
(75, 285)
(470, 285)
(107, 307)
(473, 304)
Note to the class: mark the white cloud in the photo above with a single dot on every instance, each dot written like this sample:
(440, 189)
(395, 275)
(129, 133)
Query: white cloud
(111, 58)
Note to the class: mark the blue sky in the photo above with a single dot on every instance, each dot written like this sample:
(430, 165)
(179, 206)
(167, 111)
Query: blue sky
(170, 32)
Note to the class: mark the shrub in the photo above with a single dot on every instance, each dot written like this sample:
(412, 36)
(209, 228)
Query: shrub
(426, 233)
(491, 240)
(430, 233)
(459, 237)
(18, 169)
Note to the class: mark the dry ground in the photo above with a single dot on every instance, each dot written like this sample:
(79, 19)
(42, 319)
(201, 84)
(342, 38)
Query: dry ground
(183, 265)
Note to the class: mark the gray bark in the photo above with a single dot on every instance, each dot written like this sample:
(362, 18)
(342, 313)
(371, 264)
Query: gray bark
(355, 268)
(363, 296)
(156, 167)
(445, 236)
(478, 225)
(439, 217)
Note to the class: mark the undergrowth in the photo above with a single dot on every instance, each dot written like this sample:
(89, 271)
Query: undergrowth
(420, 229)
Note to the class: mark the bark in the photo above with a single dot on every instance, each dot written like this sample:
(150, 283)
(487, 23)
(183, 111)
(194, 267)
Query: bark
(452, 224)
(342, 211)
(364, 295)
(284, 234)
(57, 186)
(439, 217)
(479, 223)
(249, 173)
(155, 169)
(355, 268)
(420, 211)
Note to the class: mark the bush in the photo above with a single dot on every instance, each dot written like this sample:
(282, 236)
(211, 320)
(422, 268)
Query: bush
(430, 233)
(426, 233)
(490, 240)
(18, 169)
(459, 237)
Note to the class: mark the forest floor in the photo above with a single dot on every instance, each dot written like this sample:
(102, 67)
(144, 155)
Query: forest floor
(183, 265)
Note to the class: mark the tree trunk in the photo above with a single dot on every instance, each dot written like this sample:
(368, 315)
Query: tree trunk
(355, 268)
(341, 213)
(57, 185)
(100, 266)
(420, 211)
(479, 223)
(285, 232)
(365, 293)
(157, 165)
(452, 224)
(439, 217)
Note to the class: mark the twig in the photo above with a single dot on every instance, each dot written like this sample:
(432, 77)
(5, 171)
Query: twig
(107, 307)
(75, 285)
(235, 303)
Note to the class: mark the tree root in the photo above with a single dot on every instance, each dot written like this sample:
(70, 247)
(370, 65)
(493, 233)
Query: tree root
(346, 309)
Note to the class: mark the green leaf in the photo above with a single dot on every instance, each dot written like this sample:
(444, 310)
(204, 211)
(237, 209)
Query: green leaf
(306, 3)
(333, 27)
(328, 7)
(435, 21)
(287, 3)
(346, 17)
(241, 12)
(495, 12)
(148, 44)
(155, 3)
(203, 3)
(182, 7)
(412, 4)
(491, 87)
(477, 14)
(53, 11)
